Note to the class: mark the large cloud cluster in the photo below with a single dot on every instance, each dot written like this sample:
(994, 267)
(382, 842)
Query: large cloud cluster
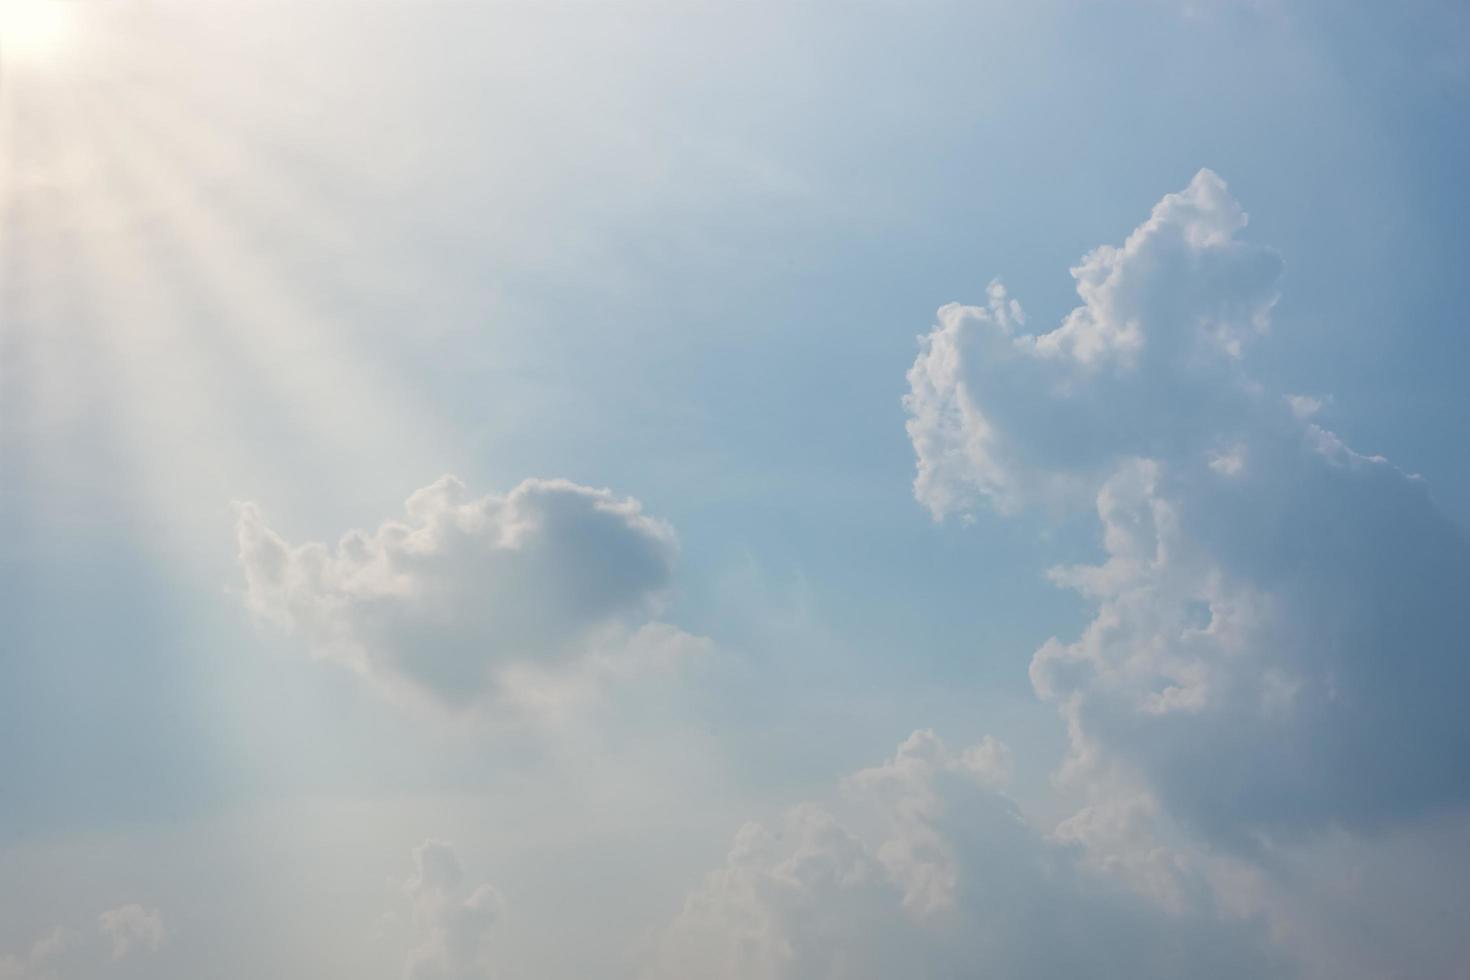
(448, 600)
(1277, 644)
(925, 869)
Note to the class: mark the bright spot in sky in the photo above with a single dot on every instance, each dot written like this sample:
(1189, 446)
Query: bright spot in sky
(33, 29)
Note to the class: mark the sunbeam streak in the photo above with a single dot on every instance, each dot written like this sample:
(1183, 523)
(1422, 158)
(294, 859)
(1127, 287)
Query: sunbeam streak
(489, 489)
(34, 30)
(148, 334)
(289, 348)
(151, 426)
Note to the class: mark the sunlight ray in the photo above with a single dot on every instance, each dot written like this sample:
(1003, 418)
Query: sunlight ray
(35, 31)
(48, 379)
(315, 160)
(354, 409)
(266, 192)
(166, 444)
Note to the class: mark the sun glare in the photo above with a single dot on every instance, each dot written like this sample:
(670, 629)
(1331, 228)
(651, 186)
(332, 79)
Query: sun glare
(33, 29)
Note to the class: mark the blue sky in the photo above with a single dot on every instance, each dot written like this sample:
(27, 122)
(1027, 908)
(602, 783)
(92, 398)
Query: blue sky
(1152, 674)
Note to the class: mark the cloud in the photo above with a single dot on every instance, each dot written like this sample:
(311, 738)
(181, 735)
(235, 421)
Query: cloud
(1275, 653)
(43, 959)
(1277, 645)
(452, 923)
(461, 591)
(132, 927)
(68, 954)
(1004, 417)
(925, 869)
(1304, 406)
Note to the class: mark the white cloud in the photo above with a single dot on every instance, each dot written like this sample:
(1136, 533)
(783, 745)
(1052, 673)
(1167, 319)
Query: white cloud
(452, 922)
(924, 870)
(132, 927)
(1003, 417)
(1304, 406)
(1229, 462)
(123, 933)
(464, 594)
(1276, 644)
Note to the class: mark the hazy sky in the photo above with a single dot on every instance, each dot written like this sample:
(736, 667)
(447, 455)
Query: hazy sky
(733, 490)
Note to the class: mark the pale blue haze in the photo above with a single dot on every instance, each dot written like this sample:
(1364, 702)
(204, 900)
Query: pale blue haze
(298, 261)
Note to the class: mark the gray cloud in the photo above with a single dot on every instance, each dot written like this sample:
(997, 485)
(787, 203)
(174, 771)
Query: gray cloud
(1277, 645)
(461, 590)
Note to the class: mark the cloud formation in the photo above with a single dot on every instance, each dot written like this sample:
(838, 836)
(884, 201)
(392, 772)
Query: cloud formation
(925, 869)
(1276, 645)
(130, 928)
(448, 599)
(452, 922)
(123, 933)
(1003, 417)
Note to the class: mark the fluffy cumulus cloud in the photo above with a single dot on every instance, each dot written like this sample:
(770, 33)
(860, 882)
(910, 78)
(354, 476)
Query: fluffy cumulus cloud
(1275, 651)
(924, 868)
(1276, 646)
(125, 933)
(463, 594)
(452, 922)
(1005, 417)
(1263, 712)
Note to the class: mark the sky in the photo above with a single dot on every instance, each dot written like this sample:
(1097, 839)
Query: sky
(748, 491)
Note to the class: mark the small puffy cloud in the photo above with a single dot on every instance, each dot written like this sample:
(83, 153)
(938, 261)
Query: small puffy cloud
(452, 922)
(460, 591)
(1276, 645)
(1229, 462)
(924, 869)
(131, 928)
(1304, 406)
